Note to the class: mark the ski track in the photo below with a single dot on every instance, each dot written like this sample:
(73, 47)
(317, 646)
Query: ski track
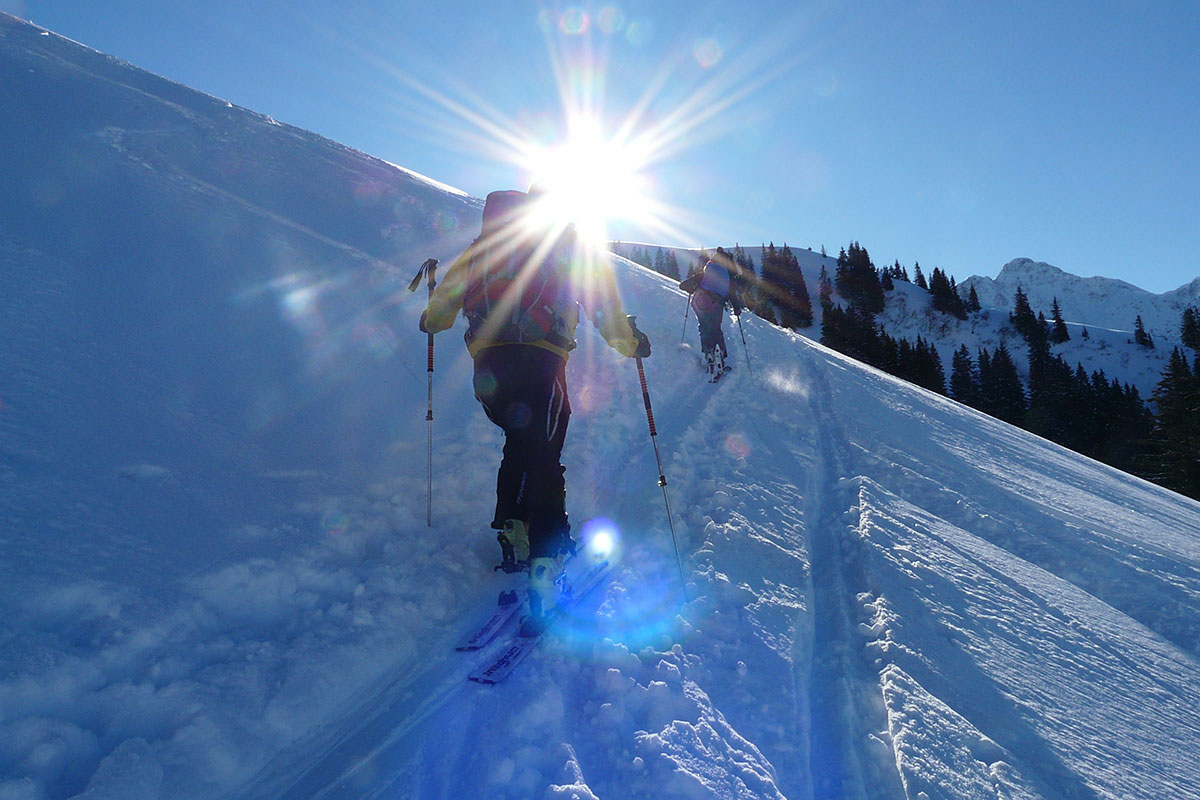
(851, 754)
(945, 602)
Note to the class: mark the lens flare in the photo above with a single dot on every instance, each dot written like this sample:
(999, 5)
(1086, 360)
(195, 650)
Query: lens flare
(601, 539)
(610, 19)
(574, 22)
(707, 52)
(737, 446)
(638, 33)
(603, 543)
(335, 523)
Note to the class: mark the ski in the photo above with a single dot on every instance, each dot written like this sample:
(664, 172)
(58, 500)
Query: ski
(712, 371)
(506, 608)
(506, 659)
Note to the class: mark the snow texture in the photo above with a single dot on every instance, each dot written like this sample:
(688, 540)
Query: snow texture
(218, 580)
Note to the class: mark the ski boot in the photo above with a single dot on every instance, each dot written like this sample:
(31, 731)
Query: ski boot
(716, 366)
(547, 586)
(514, 546)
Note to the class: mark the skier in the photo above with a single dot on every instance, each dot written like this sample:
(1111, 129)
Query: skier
(520, 285)
(711, 287)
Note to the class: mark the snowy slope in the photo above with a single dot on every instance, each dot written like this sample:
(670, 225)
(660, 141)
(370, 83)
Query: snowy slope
(196, 302)
(891, 593)
(218, 581)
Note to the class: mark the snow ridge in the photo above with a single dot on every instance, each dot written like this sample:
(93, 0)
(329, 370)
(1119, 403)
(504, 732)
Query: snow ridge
(1096, 302)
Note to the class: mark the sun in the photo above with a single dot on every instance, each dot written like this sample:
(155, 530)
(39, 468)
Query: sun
(591, 180)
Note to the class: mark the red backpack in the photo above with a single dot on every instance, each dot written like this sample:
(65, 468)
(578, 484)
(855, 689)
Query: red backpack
(508, 296)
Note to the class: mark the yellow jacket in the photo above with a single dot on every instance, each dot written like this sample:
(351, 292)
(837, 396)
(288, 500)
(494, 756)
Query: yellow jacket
(592, 286)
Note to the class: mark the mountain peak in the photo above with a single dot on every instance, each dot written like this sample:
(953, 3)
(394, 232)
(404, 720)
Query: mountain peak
(1022, 268)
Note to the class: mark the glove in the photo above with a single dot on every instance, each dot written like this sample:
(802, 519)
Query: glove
(643, 341)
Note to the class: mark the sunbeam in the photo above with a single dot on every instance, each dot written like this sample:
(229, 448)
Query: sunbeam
(603, 170)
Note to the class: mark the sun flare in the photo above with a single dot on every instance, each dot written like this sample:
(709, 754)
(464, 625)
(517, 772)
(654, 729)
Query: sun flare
(605, 172)
(591, 180)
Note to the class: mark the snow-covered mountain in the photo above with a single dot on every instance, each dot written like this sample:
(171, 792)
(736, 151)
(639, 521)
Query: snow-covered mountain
(217, 578)
(1096, 302)
(1105, 307)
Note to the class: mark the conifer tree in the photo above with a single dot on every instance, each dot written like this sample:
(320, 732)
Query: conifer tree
(984, 360)
(1058, 333)
(795, 308)
(858, 280)
(1003, 389)
(1024, 320)
(1177, 426)
(1140, 336)
(964, 378)
(945, 294)
(973, 303)
(918, 278)
(749, 285)
(1130, 424)
(1189, 329)
(771, 278)
(672, 265)
(1053, 397)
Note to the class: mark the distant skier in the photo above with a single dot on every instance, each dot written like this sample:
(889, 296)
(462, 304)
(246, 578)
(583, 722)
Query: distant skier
(520, 285)
(711, 288)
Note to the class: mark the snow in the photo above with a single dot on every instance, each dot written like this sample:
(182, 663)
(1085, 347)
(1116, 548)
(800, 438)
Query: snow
(218, 579)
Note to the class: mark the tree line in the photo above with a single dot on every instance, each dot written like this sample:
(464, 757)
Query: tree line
(1158, 439)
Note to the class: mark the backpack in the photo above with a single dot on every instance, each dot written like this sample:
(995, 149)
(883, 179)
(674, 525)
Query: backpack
(500, 264)
(715, 279)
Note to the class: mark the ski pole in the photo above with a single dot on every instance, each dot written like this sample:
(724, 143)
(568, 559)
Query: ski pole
(745, 349)
(427, 270)
(662, 477)
(686, 309)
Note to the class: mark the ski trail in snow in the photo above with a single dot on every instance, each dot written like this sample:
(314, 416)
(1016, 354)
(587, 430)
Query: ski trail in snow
(849, 756)
(957, 589)
(750, 565)
(373, 726)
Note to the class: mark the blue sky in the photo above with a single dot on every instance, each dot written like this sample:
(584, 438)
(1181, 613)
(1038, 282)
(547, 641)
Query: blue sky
(957, 134)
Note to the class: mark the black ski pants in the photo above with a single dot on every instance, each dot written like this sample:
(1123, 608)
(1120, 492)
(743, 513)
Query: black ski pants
(710, 309)
(711, 335)
(523, 389)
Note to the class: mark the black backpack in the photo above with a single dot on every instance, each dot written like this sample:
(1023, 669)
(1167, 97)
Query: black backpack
(509, 294)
